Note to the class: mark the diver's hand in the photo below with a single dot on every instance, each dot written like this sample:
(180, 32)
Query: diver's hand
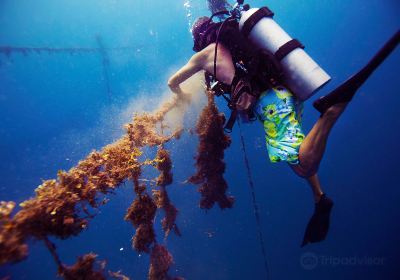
(184, 98)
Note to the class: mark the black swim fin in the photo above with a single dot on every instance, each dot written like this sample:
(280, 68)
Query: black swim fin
(318, 226)
(346, 91)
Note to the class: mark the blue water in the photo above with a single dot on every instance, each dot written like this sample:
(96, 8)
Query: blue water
(54, 109)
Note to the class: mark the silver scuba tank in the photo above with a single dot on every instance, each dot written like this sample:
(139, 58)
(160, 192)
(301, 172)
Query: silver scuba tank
(302, 75)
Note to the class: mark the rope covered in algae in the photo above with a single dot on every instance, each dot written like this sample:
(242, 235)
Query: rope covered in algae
(63, 207)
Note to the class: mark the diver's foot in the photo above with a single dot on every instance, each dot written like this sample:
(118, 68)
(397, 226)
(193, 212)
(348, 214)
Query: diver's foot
(345, 92)
(342, 94)
(318, 226)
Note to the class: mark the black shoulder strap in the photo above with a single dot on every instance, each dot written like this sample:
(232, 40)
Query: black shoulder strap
(220, 29)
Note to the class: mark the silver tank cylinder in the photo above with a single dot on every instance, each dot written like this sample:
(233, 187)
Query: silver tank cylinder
(302, 74)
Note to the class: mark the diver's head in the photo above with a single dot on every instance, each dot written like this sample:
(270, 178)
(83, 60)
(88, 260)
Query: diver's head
(200, 25)
(199, 29)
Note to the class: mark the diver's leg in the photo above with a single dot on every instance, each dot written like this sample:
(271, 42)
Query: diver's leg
(331, 107)
(315, 185)
(313, 147)
(310, 154)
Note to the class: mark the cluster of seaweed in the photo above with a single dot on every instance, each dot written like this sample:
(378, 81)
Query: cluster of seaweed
(210, 157)
(64, 206)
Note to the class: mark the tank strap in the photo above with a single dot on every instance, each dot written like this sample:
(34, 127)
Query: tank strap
(254, 19)
(288, 48)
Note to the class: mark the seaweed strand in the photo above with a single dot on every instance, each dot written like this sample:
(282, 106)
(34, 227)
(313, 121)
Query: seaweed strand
(209, 159)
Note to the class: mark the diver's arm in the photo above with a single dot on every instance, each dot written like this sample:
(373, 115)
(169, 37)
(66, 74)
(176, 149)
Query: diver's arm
(194, 65)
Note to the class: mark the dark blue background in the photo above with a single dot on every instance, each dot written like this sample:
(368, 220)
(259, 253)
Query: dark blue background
(54, 110)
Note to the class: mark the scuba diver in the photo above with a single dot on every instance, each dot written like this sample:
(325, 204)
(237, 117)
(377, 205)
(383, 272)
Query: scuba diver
(257, 84)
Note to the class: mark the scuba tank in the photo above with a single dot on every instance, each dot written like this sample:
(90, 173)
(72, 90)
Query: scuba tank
(302, 75)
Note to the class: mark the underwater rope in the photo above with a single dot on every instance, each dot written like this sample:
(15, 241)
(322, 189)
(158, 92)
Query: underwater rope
(255, 206)
(8, 50)
(63, 207)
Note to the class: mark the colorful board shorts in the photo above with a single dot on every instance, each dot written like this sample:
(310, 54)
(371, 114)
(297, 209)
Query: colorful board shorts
(281, 113)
